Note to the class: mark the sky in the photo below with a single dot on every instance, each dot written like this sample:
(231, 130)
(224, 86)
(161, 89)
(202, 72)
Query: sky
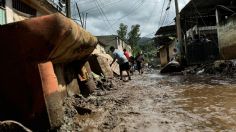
(105, 16)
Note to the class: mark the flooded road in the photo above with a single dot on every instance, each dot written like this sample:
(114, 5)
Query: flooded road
(152, 102)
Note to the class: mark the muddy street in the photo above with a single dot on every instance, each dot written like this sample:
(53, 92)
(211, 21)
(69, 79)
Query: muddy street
(153, 102)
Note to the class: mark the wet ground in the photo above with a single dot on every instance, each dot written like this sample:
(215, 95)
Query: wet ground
(152, 102)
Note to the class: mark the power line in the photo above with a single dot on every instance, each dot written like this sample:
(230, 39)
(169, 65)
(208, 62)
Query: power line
(111, 4)
(103, 14)
(105, 19)
(198, 12)
(166, 13)
(152, 12)
(162, 17)
(161, 13)
(131, 11)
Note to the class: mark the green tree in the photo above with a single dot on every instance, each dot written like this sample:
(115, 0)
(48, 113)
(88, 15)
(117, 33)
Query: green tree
(134, 36)
(122, 32)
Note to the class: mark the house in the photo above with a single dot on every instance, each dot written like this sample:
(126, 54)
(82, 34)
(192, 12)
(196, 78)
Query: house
(17, 10)
(199, 22)
(114, 40)
(166, 42)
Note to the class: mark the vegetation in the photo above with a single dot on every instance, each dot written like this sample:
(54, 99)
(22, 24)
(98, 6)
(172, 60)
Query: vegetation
(122, 32)
(149, 50)
(133, 36)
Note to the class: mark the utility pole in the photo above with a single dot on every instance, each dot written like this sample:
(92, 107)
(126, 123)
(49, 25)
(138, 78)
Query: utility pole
(68, 8)
(81, 21)
(178, 27)
(85, 24)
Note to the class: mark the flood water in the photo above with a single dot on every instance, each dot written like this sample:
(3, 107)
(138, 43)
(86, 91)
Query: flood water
(164, 103)
(209, 102)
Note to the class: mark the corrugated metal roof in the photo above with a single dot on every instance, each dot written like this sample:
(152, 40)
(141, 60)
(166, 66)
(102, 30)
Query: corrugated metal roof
(167, 30)
(196, 7)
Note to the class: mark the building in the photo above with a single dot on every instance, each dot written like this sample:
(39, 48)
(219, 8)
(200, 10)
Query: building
(114, 40)
(17, 10)
(165, 39)
(200, 30)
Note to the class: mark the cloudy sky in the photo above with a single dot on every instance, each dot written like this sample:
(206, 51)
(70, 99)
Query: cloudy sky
(104, 16)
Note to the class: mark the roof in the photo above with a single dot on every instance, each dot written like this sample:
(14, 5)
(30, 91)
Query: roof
(164, 40)
(107, 39)
(167, 30)
(196, 7)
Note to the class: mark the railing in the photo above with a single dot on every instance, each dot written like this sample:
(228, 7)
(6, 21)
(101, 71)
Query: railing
(207, 28)
(59, 5)
(24, 8)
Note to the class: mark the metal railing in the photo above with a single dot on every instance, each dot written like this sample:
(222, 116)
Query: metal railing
(58, 4)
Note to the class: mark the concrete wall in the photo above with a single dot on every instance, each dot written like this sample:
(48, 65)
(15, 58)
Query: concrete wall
(12, 15)
(163, 56)
(118, 44)
(171, 50)
(99, 49)
(167, 53)
(227, 39)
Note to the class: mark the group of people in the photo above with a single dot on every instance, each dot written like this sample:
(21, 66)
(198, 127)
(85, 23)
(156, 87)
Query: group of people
(127, 62)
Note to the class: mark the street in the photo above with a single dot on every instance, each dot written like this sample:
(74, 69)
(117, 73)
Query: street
(62, 61)
(152, 102)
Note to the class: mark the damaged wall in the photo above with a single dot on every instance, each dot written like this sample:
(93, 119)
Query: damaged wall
(227, 39)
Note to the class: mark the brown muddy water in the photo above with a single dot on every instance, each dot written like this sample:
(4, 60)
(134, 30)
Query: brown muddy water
(152, 102)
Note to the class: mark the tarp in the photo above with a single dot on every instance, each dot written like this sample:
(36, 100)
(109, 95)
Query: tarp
(53, 37)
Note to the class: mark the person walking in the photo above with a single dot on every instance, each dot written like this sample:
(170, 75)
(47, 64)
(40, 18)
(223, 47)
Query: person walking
(139, 60)
(121, 60)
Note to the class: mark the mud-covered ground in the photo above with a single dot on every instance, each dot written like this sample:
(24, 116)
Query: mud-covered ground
(152, 102)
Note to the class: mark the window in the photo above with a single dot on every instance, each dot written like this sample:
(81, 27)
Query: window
(22, 7)
(2, 3)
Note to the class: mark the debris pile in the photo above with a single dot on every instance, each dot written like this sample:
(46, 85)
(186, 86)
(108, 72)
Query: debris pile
(225, 67)
(78, 105)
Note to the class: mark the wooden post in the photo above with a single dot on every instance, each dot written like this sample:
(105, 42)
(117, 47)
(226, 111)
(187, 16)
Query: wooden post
(68, 8)
(178, 27)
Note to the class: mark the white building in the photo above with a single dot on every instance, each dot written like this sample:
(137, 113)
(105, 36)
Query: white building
(17, 10)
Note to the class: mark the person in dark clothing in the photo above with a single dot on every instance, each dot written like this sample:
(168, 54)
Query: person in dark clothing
(132, 62)
(139, 60)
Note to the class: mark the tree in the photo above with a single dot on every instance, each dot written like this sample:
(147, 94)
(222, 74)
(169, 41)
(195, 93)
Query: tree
(134, 36)
(122, 32)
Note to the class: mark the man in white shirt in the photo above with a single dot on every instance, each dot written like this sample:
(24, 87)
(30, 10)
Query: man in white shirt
(122, 61)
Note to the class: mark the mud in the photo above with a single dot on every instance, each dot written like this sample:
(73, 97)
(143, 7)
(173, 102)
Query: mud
(153, 102)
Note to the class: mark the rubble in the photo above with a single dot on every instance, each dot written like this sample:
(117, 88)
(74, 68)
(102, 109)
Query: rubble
(84, 105)
(221, 67)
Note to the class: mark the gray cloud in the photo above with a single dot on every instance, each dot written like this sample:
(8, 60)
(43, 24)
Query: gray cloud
(147, 13)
